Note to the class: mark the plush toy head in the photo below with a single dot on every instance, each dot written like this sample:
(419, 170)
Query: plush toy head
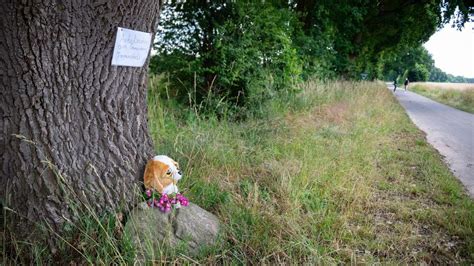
(161, 174)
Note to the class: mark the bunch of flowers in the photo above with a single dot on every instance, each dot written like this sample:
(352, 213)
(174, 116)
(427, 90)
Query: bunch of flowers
(165, 202)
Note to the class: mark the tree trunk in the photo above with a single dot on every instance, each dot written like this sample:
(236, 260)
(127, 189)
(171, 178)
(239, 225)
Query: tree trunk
(69, 119)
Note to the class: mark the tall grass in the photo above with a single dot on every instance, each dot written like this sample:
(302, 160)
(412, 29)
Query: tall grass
(445, 85)
(460, 96)
(93, 238)
(335, 174)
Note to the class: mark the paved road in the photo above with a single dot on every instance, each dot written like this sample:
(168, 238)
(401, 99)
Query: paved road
(449, 130)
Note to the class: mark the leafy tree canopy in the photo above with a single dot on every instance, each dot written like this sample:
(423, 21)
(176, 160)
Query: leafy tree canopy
(242, 52)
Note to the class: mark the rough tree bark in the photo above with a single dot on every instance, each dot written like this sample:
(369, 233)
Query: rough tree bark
(65, 110)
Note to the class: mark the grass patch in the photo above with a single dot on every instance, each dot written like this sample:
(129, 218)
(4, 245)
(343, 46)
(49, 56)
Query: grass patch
(338, 174)
(335, 174)
(461, 98)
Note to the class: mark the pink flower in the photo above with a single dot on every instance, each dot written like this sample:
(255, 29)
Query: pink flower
(166, 202)
(148, 193)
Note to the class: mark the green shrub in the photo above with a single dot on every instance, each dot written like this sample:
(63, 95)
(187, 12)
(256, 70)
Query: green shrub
(246, 56)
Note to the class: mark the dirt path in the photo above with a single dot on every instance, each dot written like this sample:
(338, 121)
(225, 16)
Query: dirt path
(449, 130)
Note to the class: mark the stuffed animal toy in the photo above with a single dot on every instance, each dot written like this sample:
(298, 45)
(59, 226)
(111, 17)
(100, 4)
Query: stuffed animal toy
(161, 174)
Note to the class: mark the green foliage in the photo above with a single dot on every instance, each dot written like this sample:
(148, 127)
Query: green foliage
(240, 53)
(458, 79)
(461, 11)
(228, 57)
(415, 64)
(257, 55)
(361, 30)
(418, 73)
(438, 75)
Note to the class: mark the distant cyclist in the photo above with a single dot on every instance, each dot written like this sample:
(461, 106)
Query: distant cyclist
(406, 83)
(394, 85)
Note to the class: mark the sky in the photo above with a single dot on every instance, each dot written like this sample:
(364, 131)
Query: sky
(453, 50)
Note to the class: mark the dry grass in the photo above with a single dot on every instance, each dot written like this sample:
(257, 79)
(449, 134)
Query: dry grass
(457, 95)
(338, 175)
(444, 85)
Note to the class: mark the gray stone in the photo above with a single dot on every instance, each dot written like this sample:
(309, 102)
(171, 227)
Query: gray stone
(151, 230)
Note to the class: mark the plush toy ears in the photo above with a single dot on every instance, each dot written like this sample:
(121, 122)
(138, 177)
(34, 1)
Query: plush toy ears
(176, 164)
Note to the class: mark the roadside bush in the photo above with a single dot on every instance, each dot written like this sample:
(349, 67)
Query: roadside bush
(241, 55)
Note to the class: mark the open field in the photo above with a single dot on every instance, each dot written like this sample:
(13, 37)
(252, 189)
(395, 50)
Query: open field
(335, 174)
(444, 85)
(457, 95)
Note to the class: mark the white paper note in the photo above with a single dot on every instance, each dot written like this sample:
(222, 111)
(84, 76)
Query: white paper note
(131, 47)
